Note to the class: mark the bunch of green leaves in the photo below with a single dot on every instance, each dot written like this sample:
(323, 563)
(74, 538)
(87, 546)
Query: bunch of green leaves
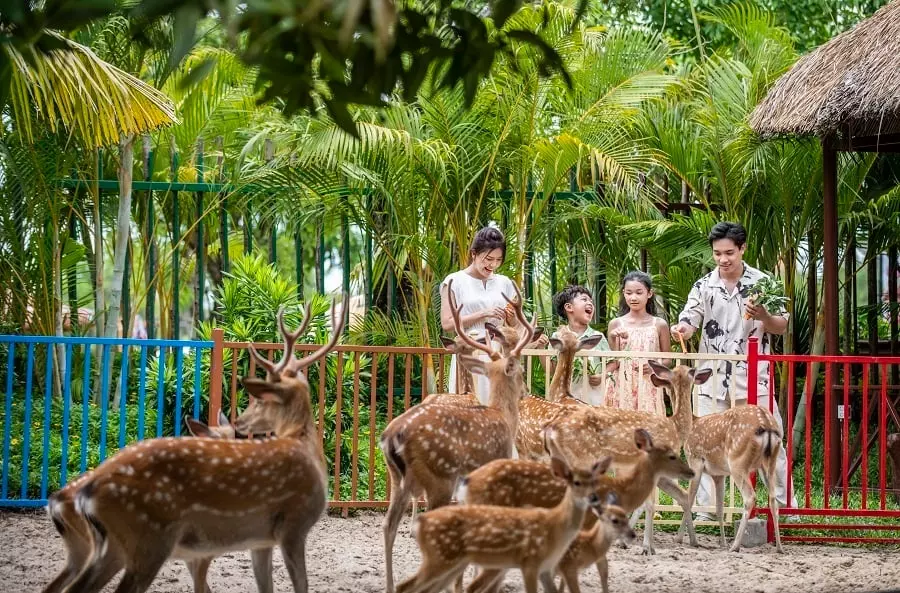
(769, 293)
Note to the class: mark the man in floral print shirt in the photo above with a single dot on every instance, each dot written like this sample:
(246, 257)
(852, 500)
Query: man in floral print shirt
(716, 306)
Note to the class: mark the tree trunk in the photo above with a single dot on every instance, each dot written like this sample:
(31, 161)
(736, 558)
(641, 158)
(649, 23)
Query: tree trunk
(816, 349)
(57, 308)
(123, 227)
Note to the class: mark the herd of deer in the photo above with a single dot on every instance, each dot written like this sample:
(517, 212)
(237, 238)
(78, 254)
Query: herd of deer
(553, 511)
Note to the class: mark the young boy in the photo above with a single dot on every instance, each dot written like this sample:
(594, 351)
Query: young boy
(576, 305)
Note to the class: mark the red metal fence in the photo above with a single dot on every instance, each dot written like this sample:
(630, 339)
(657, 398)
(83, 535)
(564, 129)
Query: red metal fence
(841, 445)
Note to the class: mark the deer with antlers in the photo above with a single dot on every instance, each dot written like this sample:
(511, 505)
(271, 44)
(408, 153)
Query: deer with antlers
(733, 443)
(526, 483)
(594, 431)
(500, 538)
(429, 447)
(186, 498)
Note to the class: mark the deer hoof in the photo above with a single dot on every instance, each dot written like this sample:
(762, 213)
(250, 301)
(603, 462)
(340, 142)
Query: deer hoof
(648, 551)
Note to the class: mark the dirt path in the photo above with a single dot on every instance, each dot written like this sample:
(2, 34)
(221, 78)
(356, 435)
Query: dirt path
(345, 555)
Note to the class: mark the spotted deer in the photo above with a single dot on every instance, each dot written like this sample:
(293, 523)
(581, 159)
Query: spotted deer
(500, 538)
(188, 498)
(733, 443)
(595, 431)
(526, 483)
(591, 546)
(75, 532)
(428, 448)
(535, 413)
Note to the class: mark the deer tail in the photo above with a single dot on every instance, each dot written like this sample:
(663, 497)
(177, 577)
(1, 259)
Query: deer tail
(392, 447)
(769, 439)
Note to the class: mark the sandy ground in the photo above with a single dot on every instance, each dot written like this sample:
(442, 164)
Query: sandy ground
(346, 555)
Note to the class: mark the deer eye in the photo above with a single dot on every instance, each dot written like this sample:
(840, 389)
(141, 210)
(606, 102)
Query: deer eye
(672, 456)
(577, 482)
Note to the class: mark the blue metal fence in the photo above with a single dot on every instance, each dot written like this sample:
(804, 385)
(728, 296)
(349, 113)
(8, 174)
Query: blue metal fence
(71, 423)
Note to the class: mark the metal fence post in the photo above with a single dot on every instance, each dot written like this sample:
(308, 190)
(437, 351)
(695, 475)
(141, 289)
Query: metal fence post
(215, 376)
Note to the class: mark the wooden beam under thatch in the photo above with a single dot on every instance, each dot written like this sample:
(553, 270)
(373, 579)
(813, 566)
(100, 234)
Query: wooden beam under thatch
(845, 88)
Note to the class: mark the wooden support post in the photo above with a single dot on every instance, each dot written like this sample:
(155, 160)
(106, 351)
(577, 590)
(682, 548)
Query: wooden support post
(830, 283)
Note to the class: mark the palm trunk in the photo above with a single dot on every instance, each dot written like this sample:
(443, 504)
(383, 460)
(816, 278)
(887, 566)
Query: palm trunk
(57, 309)
(123, 225)
(99, 301)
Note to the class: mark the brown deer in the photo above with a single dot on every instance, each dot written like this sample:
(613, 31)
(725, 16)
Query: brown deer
(75, 531)
(428, 448)
(733, 443)
(592, 545)
(186, 498)
(500, 538)
(525, 483)
(535, 413)
(595, 431)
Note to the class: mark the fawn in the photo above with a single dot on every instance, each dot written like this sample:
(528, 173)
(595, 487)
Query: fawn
(199, 497)
(733, 443)
(591, 546)
(493, 537)
(535, 413)
(75, 532)
(428, 448)
(525, 483)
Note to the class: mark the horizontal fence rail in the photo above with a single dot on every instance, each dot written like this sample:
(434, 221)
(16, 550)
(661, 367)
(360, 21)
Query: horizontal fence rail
(71, 402)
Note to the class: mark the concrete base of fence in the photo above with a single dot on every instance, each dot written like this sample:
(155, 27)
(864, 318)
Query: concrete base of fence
(755, 534)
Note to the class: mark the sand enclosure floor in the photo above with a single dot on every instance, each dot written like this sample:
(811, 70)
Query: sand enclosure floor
(346, 555)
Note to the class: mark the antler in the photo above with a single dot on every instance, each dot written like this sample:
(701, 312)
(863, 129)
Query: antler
(290, 339)
(337, 324)
(457, 325)
(520, 315)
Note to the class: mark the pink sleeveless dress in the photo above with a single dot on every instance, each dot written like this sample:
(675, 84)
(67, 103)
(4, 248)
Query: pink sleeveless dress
(630, 388)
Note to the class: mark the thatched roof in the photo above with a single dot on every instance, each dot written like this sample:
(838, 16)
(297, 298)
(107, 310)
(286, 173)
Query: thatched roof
(849, 86)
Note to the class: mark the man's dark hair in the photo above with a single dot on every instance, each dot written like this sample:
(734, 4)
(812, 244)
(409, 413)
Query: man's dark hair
(729, 230)
(566, 296)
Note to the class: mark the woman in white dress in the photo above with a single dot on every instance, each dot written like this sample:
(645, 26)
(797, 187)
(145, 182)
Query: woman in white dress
(480, 293)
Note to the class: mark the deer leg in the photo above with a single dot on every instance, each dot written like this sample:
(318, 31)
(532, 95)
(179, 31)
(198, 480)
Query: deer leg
(547, 583)
(530, 576)
(603, 570)
(198, 569)
(771, 479)
(719, 481)
(649, 511)
(262, 569)
(570, 579)
(401, 491)
(147, 560)
(78, 551)
(486, 580)
(431, 576)
(687, 521)
(293, 550)
(749, 495)
(100, 570)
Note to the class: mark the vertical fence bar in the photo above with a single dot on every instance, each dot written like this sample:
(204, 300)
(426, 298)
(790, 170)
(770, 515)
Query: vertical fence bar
(807, 461)
(337, 425)
(233, 394)
(390, 402)
(354, 453)
(373, 411)
(104, 399)
(48, 402)
(845, 441)
(179, 369)
(85, 409)
(216, 372)
(792, 370)
(424, 368)
(406, 381)
(197, 365)
(882, 436)
(160, 392)
(26, 429)
(7, 418)
(322, 376)
(142, 393)
(826, 486)
(67, 410)
(123, 398)
(864, 426)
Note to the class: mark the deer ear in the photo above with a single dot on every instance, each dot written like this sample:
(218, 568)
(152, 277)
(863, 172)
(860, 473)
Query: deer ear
(601, 467)
(538, 332)
(658, 381)
(700, 377)
(197, 428)
(660, 370)
(556, 343)
(589, 342)
(223, 419)
(642, 439)
(496, 334)
(560, 469)
(448, 342)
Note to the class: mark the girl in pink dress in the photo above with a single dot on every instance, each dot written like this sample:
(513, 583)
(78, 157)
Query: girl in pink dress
(637, 329)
